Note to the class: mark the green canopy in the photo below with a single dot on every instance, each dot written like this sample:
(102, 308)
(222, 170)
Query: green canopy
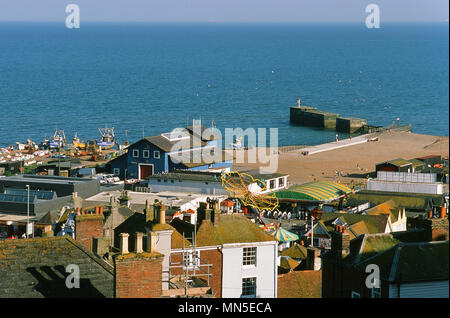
(318, 191)
(282, 235)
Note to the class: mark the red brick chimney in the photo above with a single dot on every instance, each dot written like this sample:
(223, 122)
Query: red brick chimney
(88, 226)
(139, 274)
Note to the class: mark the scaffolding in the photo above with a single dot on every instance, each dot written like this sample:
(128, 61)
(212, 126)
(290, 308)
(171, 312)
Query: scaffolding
(195, 273)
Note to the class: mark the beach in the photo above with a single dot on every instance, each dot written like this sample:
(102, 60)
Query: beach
(323, 165)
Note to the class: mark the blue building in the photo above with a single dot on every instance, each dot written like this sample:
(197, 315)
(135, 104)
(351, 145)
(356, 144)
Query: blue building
(157, 154)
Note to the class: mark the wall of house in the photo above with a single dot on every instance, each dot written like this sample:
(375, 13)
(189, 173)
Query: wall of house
(86, 228)
(277, 185)
(131, 164)
(265, 270)
(436, 289)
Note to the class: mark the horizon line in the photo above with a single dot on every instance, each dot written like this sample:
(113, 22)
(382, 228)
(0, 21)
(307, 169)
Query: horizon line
(219, 22)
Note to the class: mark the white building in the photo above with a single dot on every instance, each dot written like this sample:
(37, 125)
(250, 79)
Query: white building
(209, 182)
(406, 182)
(241, 256)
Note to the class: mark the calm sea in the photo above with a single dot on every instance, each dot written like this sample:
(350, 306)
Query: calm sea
(151, 78)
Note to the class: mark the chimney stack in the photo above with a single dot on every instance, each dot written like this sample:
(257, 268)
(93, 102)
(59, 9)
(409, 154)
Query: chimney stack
(162, 214)
(149, 211)
(124, 243)
(340, 243)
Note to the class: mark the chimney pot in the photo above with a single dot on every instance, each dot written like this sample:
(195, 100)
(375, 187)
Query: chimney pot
(124, 243)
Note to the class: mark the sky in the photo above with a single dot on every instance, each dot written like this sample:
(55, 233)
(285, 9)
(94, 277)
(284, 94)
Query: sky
(225, 10)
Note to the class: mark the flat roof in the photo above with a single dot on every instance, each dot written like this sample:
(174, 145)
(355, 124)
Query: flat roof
(46, 179)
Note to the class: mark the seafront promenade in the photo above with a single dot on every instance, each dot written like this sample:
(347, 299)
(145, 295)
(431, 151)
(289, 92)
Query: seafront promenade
(334, 145)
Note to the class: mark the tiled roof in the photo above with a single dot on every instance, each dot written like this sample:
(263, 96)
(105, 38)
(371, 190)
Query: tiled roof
(287, 263)
(296, 251)
(300, 284)
(373, 223)
(230, 229)
(37, 268)
(388, 207)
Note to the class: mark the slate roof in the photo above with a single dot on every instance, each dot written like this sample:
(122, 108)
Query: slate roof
(413, 262)
(188, 175)
(34, 268)
(231, 229)
(167, 145)
(300, 284)
(137, 223)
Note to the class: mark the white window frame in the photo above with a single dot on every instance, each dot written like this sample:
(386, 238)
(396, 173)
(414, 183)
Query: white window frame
(249, 256)
(116, 171)
(144, 152)
(282, 181)
(253, 286)
(156, 154)
(355, 295)
(134, 153)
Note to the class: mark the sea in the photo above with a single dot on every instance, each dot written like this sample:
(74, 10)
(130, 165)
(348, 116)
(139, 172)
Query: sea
(145, 79)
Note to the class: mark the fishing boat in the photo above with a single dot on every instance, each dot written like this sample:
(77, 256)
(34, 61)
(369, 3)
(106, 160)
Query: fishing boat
(108, 139)
(59, 140)
(77, 143)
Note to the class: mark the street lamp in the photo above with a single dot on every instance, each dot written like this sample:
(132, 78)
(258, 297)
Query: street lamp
(28, 209)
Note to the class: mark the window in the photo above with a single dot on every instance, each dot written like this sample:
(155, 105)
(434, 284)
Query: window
(116, 171)
(272, 184)
(249, 256)
(135, 153)
(376, 292)
(156, 154)
(249, 286)
(171, 181)
(280, 182)
(146, 153)
(355, 295)
(191, 259)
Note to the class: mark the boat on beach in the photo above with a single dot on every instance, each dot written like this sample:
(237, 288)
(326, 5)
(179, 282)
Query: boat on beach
(108, 139)
(77, 143)
(58, 141)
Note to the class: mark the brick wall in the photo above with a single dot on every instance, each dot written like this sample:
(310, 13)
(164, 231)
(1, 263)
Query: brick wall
(214, 257)
(87, 227)
(138, 275)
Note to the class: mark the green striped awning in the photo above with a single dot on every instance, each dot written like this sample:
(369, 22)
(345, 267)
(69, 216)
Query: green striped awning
(281, 235)
(318, 191)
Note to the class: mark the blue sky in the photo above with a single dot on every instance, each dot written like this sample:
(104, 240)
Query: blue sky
(225, 10)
